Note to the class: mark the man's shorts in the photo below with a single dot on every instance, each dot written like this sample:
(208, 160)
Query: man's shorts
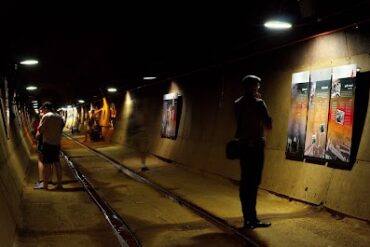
(50, 153)
(39, 143)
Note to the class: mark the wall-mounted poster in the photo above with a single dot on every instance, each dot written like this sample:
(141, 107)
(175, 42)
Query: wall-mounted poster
(318, 108)
(339, 138)
(169, 115)
(4, 105)
(298, 115)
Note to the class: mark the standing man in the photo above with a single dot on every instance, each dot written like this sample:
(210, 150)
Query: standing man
(51, 127)
(252, 118)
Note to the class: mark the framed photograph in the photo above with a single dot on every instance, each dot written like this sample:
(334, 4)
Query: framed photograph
(339, 116)
(170, 116)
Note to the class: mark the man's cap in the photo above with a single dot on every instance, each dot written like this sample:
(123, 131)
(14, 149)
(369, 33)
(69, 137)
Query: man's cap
(251, 79)
(47, 105)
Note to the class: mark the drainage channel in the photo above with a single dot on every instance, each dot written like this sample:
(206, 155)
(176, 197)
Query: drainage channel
(122, 231)
(217, 221)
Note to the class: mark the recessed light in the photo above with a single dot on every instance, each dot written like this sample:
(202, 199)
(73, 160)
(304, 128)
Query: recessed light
(31, 88)
(29, 62)
(112, 89)
(149, 77)
(277, 25)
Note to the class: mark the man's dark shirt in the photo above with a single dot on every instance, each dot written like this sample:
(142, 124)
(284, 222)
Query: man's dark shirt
(252, 117)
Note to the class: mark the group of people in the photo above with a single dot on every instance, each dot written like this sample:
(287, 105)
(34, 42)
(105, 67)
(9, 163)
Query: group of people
(48, 135)
(93, 131)
(252, 119)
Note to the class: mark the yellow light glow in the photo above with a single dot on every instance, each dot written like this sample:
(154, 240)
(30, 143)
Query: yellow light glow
(174, 87)
(128, 100)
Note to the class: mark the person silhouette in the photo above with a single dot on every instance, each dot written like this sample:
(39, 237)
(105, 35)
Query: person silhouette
(252, 118)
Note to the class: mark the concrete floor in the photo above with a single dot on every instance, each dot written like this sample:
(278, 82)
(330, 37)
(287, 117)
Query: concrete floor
(61, 218)
(69, 218)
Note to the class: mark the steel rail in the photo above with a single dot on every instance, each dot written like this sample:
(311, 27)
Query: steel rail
(217, 221)
(121, 229)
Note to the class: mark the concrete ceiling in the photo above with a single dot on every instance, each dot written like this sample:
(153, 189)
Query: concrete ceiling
(83, 48)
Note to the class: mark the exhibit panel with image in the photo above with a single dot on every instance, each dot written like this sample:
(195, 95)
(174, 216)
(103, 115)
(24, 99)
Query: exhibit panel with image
(318, 108)
(340, 124)
(169, 115)
(321, 116)
(298, 115)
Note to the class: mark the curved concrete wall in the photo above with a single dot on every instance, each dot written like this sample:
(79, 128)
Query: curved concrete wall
(14, 160)
(207, 121)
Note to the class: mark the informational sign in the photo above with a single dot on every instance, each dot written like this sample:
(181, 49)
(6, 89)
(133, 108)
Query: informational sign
(298, 115)
(339, 137)
(169, 116)
(318, 108)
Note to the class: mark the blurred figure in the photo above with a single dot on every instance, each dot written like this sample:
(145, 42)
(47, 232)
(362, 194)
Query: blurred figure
(113, 114)
(91, 122)
(139, 136)
(35, 125)
(111, 125)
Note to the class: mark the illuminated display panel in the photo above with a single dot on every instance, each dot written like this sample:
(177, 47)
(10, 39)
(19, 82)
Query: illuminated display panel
(298, 115)
(339, 137)
(317, 118)
(322, 114)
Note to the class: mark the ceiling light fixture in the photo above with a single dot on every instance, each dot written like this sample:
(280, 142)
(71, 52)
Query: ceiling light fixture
(112, 89)
(31, 88)
(277, 25)
(29, 62)
(149, 77)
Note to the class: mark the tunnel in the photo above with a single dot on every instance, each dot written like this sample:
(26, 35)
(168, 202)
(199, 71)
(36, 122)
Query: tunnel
(147, 110)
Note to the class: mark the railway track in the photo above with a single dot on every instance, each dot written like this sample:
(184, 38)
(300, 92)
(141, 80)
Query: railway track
(142, 212)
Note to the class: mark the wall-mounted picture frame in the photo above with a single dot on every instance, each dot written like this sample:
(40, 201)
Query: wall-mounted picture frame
(322, 114)
(170, 115)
